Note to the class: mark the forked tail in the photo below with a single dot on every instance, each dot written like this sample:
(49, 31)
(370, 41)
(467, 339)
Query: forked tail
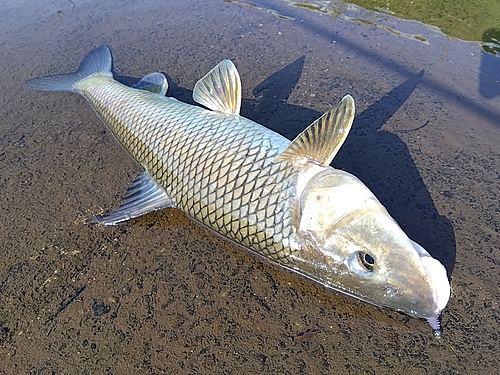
(97, 61)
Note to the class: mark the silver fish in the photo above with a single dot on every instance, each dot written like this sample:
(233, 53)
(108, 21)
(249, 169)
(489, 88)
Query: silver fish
(278, 198)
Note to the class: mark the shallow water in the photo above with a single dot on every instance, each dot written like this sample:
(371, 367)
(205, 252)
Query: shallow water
(457, 18)
(161, 295)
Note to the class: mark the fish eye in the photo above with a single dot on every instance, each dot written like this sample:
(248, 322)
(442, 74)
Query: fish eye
(361, 263)
(366, 261)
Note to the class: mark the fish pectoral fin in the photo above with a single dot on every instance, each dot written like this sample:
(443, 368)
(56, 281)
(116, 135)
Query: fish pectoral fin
(153, 82)
(144, 195)
(321, 140)
(220, 89)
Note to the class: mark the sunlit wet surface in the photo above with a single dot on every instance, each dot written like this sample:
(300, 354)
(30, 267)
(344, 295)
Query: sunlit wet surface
(458, 19)
(161, 295)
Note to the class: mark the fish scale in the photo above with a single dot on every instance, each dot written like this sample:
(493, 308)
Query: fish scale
(234, 189)
(258, 189)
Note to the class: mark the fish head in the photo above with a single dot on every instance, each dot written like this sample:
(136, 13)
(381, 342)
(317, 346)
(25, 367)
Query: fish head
(350, 243)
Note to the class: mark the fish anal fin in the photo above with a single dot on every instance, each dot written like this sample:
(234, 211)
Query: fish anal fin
(144, 195)
(153, 82)
(321, 140)
(220, 89)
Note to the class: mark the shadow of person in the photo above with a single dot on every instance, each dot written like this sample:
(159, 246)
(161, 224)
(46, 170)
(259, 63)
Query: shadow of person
(377, 157)
(489, 73)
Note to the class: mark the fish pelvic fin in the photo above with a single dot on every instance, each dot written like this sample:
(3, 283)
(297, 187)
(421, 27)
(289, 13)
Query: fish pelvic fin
(321, 140)
(98, 61)
(220, 89)
(144, 195)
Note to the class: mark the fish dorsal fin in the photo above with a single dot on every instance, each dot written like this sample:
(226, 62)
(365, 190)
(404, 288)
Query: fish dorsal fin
(321, 140)
(220, 89)
(154, 82)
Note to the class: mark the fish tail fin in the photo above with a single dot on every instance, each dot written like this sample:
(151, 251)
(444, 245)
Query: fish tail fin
(98, 61)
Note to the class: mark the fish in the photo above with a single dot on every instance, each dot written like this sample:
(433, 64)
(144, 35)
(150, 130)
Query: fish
(278, 198)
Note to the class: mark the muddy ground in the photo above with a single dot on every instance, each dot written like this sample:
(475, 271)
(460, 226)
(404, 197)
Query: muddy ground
(160, 295)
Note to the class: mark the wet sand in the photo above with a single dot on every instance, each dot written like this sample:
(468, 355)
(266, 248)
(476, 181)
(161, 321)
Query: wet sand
(160, 295)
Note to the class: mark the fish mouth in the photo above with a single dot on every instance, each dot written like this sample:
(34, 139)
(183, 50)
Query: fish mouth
(438, 279)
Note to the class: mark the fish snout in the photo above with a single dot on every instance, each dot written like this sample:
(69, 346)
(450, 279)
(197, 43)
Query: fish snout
(438, 279)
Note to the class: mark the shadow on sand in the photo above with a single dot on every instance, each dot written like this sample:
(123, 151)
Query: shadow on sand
(377, 157)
